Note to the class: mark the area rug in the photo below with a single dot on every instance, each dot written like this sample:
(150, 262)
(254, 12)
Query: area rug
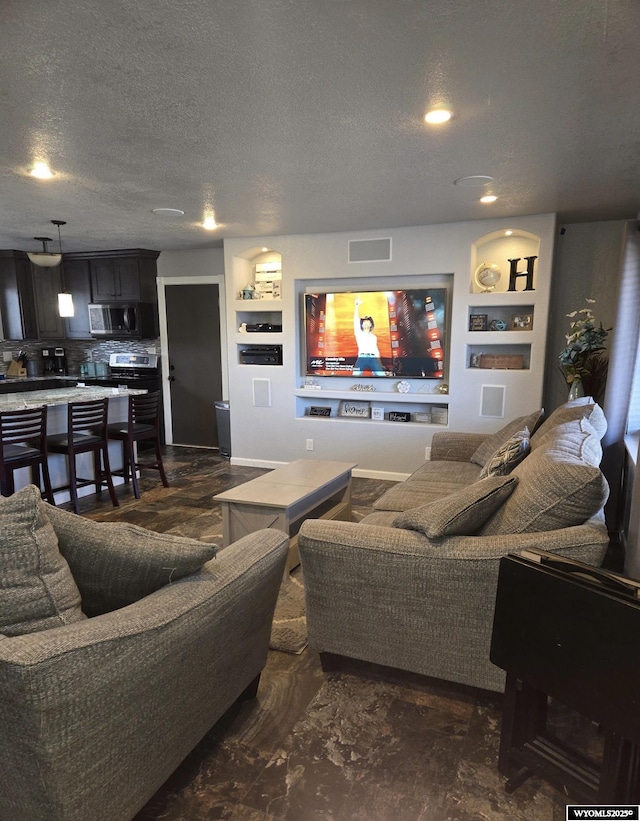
(289, 631)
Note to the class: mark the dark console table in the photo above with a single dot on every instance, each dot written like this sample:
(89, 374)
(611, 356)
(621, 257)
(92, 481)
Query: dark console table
(571, 632)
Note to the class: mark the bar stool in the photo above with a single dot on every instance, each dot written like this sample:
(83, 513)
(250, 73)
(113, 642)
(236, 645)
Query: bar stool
(86, 433)
(143, 422)
(23, 443)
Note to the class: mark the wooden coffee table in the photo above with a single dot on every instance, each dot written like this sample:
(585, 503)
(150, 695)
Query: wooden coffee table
(285, 497)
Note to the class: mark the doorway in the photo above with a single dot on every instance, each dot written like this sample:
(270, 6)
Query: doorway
(192, 359)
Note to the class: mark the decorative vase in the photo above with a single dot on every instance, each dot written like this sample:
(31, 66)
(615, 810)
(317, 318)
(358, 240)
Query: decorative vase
(576, 390)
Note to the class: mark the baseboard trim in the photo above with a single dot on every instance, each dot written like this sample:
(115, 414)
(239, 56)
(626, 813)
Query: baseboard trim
(255, 463)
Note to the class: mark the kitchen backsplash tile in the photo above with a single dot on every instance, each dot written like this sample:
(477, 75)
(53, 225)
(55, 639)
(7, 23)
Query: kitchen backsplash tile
(77, 351)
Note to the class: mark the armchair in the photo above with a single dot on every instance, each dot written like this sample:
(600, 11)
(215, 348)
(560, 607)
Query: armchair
(95, 714)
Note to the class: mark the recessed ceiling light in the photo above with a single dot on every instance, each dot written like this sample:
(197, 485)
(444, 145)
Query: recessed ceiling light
(437, 116)
(264, 249)
(42, 171)
(508, 233)
(168, 212)
(488, 198)
(209, 223)
(473, 181)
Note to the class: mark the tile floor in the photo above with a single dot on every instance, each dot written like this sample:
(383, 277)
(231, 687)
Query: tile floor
(331, 747)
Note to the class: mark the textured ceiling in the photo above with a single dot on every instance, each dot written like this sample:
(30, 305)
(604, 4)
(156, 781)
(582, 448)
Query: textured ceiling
(305, 116)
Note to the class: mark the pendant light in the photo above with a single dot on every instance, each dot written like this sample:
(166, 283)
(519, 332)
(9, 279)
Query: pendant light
(65, 299)
(44, 258)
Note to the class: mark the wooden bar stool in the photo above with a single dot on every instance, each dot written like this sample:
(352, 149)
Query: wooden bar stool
(143, 422)
(86, 433)
(23, 443)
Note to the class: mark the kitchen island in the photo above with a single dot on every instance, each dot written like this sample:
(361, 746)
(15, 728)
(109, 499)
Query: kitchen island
(56, 400)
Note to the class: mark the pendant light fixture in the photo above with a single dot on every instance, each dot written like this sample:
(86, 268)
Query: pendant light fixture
(48, 259)
(65, 300)
(45, 258)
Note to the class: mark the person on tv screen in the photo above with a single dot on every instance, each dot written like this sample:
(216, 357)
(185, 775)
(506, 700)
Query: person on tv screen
(368, 352)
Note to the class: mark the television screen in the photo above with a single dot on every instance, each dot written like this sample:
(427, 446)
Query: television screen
(376, 333)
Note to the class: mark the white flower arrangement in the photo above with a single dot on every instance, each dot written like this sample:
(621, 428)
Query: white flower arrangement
(585, 340)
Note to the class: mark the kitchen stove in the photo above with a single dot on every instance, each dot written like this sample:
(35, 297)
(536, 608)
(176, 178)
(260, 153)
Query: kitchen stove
(135, 367)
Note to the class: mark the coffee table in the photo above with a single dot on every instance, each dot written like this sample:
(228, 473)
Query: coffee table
(285, 497)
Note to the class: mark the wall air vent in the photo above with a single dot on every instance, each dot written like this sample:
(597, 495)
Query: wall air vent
(370, 250)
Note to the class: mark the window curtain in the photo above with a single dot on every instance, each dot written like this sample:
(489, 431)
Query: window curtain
(622, 396)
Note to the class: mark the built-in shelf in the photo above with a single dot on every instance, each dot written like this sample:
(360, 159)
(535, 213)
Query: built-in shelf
(501, 318)
(423, 408)
(376, 396)
(499, 357)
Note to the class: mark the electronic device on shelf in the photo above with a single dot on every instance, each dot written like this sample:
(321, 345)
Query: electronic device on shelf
(261, 355)
(263, 328)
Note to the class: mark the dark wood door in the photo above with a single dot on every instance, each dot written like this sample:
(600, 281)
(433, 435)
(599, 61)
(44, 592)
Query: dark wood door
(78, 283)
(47, 284)
(17, 303)
(115, 280)
(194, 368)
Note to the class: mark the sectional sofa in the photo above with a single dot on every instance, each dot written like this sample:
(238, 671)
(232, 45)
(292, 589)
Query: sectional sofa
(412, 586)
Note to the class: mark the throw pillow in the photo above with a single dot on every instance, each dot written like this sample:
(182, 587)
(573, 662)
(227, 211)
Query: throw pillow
(583, 408)
(503, 461)
(460, 514)
(115, 563)
(37, 589)
(491, 444)
(559, 486)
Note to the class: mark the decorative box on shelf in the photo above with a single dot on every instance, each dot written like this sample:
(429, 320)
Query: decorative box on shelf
(439, 416)
(399, 416)
(360, 410)
(501, 361)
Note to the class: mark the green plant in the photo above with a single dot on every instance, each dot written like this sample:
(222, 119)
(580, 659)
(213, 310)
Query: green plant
(583, 355)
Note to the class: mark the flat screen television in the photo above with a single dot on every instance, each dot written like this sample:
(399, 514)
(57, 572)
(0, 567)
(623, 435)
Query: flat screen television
(376, 333)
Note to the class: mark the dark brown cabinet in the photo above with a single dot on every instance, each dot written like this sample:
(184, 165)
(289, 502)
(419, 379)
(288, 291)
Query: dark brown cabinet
(125, 276)
(47, 284)
(17, 302)
(77, 279)
(29, 295)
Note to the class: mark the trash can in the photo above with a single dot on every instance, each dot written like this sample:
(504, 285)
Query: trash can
(224, 428)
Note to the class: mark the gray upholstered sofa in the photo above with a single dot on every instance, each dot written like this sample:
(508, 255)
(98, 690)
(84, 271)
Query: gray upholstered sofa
(413, 585)
(96, 713)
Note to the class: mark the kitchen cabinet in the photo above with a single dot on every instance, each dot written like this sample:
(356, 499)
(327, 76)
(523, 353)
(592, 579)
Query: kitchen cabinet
(77, 279)
(47, 284)
(17, 301)
(125, 276)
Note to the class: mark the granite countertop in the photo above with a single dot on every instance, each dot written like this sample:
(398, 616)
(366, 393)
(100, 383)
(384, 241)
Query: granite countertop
(60, 396)
(8, 380)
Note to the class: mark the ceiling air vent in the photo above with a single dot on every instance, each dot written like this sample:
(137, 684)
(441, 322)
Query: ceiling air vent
(370, 250)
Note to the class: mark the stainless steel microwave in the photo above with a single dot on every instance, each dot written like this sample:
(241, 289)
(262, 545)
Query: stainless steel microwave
(119, 320)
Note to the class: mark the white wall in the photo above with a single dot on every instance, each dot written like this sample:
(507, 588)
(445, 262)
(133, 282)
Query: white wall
(277, 434)
(201, 263)
(587, 265)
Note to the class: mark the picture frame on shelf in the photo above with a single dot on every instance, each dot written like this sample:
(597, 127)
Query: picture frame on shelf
(357, 410)
(439, 416)
(522, 322)
(399, 416)
(478, 322)
(319, 410)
